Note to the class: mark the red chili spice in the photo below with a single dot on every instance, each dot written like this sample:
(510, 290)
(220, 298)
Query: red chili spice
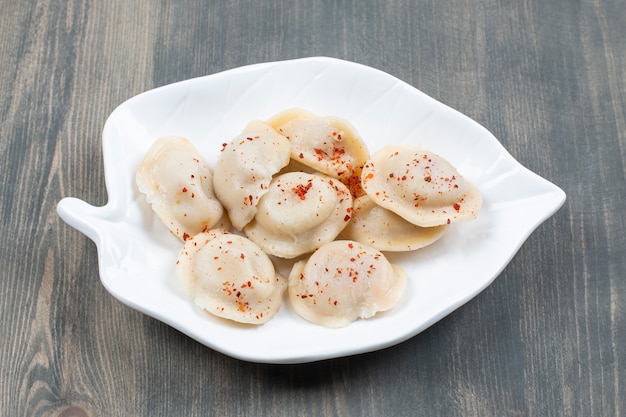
(301, 190)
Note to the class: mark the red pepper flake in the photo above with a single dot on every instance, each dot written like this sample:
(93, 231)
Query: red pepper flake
(301, 155)
(184, 189)
(249, 138)
(456, 206)
(320, 152)
(346, 218)
(301, 190)
(242, 256)
(350, 245)
(224, 145)
(186, 236)
(428, 179)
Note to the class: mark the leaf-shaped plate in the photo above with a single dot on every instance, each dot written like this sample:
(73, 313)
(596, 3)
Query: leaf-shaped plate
(137, 255)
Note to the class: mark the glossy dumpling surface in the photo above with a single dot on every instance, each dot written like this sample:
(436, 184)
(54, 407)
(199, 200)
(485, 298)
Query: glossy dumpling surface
(245, 168)
(177, 183)
(420, 186)
(230, 277)
(300, 213)
(328, 144)
(386, 231)
(344, 281)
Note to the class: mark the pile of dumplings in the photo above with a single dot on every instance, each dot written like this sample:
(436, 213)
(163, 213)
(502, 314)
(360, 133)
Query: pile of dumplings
(305, 188)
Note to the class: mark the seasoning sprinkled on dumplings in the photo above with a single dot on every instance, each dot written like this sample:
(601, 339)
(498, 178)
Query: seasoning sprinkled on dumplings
(302, 188)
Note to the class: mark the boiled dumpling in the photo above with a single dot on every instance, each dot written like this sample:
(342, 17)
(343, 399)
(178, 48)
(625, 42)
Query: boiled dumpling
(330, 145)
(342, 282)
(386, 231)
(230, 277)
(419, 186)
(300, 213)
(177, 183)
(245, 168)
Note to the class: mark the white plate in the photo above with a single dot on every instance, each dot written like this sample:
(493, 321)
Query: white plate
(137, 255)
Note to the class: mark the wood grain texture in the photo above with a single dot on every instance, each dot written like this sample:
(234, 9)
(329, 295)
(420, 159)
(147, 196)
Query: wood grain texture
(547, 338)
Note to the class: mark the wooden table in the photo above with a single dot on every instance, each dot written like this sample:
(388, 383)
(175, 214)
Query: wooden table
(547, 338)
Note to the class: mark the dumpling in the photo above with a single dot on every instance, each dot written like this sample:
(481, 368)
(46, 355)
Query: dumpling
(386, 231)
(177, 183)
(245, 168)
(420, 186)
(300, 213)
(230, 277)
(330, 145)
(342, 282)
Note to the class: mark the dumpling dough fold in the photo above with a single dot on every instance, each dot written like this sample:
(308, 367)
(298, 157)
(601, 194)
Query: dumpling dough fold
(386, 231)
(420, 186)
(230, 276)
(327, 144)
(245, 168)
(344, 281)
(300, 213)
(177, 183)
